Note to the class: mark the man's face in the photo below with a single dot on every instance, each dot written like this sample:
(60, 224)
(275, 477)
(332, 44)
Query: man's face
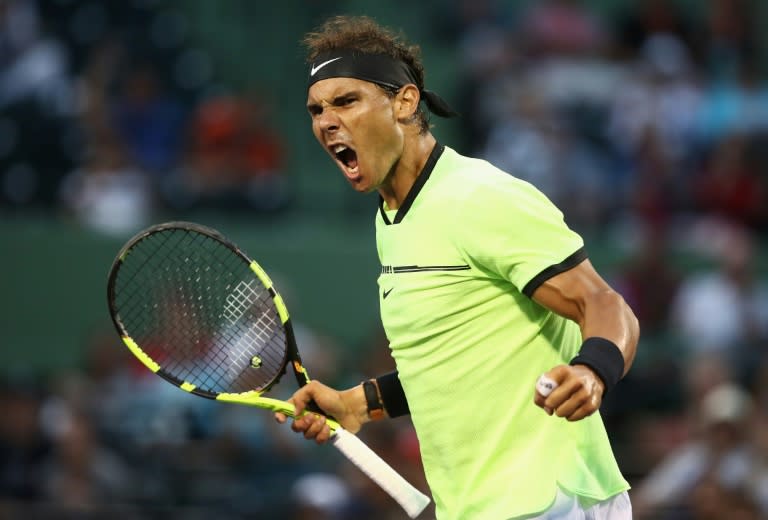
(355, 121)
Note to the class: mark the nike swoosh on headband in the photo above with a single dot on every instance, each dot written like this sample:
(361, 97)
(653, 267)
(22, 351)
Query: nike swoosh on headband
(381, 69)
(314, 69)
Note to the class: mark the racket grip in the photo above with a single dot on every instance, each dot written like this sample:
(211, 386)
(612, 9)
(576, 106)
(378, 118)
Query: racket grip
(410, 499)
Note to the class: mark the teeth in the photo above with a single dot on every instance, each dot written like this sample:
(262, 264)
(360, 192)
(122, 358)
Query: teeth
(339, 148)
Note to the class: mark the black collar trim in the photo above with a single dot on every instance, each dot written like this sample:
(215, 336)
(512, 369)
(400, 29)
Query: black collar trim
(434, 155)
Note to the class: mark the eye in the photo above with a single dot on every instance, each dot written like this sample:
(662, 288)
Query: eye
(343, 101)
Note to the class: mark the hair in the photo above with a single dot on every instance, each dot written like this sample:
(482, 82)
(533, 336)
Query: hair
(365, 35)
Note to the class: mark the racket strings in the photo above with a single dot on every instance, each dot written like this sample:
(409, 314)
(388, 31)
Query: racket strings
(196, 308)
(135, 278)
(251, 311)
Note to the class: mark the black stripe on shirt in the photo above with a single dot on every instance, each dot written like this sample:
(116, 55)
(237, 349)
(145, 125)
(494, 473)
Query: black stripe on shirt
(388, 269)
(569, 263)
(426, 171)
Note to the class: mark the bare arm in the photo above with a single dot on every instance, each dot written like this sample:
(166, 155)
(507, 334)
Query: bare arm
(581, 294)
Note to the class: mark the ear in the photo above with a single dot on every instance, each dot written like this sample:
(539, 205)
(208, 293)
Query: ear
(407, 101)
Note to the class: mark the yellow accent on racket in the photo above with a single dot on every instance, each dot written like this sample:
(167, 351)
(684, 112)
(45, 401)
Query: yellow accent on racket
(143, 357)
(282, 310)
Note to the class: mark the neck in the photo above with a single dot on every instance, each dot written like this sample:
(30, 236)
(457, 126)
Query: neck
(407, 169)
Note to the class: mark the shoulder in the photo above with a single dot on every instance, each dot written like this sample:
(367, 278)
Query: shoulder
(472, 178)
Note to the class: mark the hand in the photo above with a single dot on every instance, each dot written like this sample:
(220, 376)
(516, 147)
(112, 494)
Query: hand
(578, 394)
(347, 407)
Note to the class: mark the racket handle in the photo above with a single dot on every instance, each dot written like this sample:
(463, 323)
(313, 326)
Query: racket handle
(410, 499)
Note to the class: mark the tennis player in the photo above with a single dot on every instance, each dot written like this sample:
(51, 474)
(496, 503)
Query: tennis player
(483, 288)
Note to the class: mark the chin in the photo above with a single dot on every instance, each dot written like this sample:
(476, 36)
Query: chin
(360, 185)
(361, 188)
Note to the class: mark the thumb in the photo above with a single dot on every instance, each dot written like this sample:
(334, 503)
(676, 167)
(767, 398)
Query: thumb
(304, 396)
(557, 374)
(546, 383)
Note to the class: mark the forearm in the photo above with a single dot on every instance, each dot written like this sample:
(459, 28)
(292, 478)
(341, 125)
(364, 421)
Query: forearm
(607, 315)
(609, 328)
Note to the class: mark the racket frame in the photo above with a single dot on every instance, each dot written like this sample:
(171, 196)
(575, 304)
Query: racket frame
(292, 352)
(409, 498)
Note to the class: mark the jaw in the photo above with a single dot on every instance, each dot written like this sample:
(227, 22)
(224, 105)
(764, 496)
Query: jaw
(359, 182)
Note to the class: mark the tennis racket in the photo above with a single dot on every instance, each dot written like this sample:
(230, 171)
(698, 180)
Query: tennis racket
(198, 312)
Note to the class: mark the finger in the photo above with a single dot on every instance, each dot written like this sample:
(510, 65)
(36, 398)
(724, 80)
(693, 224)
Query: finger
(569, 407)
(301, 423)
(580, 404)
(280, 417)
(591, 404)
(568, 403)
(559, 396)
(324, 434)
(582, 412)
(316, 424)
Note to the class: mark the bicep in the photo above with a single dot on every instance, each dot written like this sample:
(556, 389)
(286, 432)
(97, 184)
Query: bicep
(569, 292)
(581, 295)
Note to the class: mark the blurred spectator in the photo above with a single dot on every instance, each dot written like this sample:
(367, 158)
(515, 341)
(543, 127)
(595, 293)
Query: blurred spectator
(36, 108)
(723, 310)
(33, 64)
(107, 193)
(318, 496)
(526, 143)
(149, 120)
(709, 476)
(83, 473)
(660, 94)
(731, 33)
(236, 159)
(731, 186)
(655, 191)
(488, 55)
(24, 447)
(562, 28)
(648, 281)
(568, 61)
(644, 19)
(734, 104)
(536, 145)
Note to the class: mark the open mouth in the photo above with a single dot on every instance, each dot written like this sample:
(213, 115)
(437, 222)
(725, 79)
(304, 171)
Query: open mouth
(346, 156)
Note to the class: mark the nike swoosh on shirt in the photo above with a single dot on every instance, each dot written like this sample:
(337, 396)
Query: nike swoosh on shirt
(386, 293)
(314, 69)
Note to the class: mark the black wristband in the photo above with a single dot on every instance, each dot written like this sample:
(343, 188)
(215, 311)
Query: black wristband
(374, 404)
(604, 357)
(392, 395)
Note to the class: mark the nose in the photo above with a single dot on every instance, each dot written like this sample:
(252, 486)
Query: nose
(327, 121)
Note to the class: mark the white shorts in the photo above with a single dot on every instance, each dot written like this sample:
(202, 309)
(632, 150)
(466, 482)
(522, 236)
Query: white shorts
(567, 507)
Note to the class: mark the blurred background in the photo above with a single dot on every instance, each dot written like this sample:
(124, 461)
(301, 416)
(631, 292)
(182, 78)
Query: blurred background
(645, 120)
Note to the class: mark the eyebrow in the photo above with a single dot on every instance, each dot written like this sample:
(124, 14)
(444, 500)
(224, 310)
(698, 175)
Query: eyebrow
(335, 100)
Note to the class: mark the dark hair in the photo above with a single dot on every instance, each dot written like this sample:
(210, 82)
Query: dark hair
(363, 34)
